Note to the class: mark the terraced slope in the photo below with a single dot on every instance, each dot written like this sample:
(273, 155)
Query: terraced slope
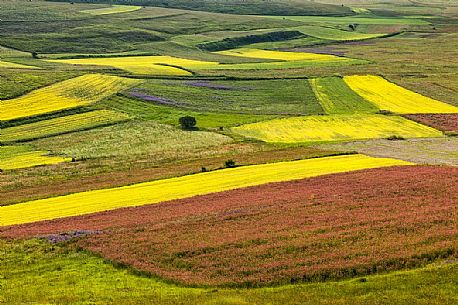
(182, 187)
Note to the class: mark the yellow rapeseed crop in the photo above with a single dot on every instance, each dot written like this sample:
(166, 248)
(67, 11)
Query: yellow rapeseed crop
(22, 158)
(278, 55)
(153, 65)
(182, 187)
(12, 65)
(388, 96)
(114, 9)
(334, 128)
(75, 92)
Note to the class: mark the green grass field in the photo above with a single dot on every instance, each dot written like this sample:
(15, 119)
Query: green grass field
(50, 274)
(133, 139)
(170, 115)
(337, 98)
(267, 97)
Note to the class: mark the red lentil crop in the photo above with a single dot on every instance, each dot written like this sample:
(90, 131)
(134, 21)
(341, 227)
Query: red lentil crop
(320, 228)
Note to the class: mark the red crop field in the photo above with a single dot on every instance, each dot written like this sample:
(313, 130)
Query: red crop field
(444, 122)
(321, 228)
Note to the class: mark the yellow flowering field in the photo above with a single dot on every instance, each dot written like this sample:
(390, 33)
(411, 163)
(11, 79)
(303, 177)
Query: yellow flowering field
(75, 92)
(61, 125)
(114, 9)
(335, 128)
(185, 186)
(153, 65)
(14, 157)
(388, 96)
(279, 55)
(12, 65)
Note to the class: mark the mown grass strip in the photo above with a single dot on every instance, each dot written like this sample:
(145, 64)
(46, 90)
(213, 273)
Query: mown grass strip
(389, 96)
(71, 93)
(61, 125)
(337, 98)
(182, 187)
(335, 128)
(15, 157)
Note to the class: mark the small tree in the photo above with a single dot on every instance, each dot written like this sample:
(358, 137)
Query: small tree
(35, 55)
(187, 122)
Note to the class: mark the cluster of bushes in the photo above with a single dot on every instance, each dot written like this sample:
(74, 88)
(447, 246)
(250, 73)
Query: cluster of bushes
(235, 42)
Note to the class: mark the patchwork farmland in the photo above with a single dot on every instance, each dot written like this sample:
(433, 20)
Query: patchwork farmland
(219, 152)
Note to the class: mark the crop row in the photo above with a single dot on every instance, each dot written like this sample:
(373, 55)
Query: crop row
(321, 228)
(185, 186)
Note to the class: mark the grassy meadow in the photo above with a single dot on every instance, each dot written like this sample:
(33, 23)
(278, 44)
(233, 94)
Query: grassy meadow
(320, 168)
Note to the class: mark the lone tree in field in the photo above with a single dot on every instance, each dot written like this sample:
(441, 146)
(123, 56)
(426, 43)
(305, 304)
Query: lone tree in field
(34, 55)
(188, 123)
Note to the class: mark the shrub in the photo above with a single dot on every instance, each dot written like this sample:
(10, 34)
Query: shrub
(395, 138)
(229, 164)
(187, 122)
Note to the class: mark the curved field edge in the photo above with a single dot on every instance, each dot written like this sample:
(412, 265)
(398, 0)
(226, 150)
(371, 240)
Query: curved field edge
(51, 278)
(71, 93)
(337, 226)
(114, 9)
(182, 187)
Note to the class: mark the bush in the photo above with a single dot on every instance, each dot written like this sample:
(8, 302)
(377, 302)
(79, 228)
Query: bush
(187, 122)
(384, 112)
(229, 164)
(395, 138)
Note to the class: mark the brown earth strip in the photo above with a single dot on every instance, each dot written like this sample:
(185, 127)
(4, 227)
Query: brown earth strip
(321, 228)
(444, 122)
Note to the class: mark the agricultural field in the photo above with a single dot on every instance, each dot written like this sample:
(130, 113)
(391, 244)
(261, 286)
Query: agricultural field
(154, 65)
(266, 97)
(234, 152)
(61, 125)
(12, 65)
(72, 93)
(391, 97)
(175, 188)
(115, 9)
(337, 98)
(444, 122)
(15, 157)
(335, 128)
